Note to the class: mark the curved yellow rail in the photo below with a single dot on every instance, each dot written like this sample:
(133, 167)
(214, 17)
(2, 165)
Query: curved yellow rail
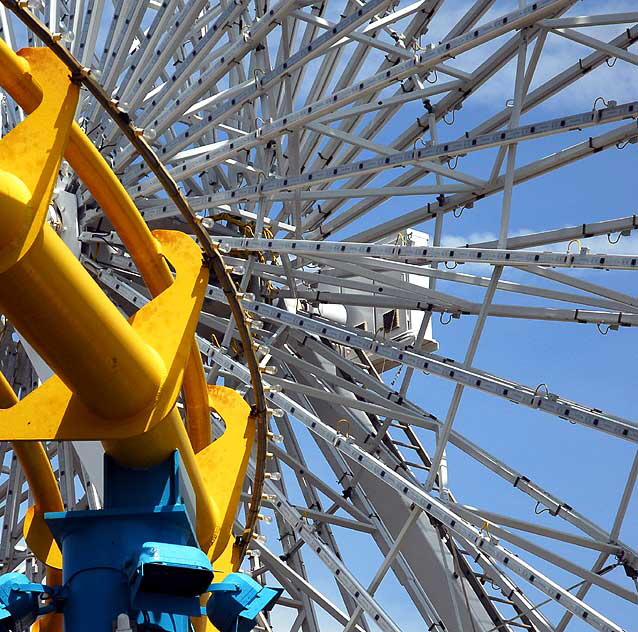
(44, 489)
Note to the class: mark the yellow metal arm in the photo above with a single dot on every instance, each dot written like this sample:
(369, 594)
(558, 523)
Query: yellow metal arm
(107, 190)
(129, 373)
(223, 468)
(115, 381)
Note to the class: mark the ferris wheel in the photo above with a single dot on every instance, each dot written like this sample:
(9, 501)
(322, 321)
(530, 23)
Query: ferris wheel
(428, 211)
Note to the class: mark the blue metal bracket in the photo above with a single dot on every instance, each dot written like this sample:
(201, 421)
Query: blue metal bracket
(20, 603)
(136, 557)
(235, 603)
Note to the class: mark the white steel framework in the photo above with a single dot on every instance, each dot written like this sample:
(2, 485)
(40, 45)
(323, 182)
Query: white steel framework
(318, 141)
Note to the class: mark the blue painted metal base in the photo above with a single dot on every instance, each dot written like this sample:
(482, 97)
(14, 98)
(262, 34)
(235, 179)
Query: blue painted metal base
(136, 556)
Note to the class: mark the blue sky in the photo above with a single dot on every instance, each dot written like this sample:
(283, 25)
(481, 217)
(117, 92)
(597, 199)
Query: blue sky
(586, 468)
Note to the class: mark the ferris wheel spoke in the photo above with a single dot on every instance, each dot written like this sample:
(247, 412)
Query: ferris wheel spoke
(296, 132)
(343, 576)
(474, 378)
(182, 72)
(370, 268)
(169, 31)
(376, 82)
(556, 560)
(615, 531)
(555, 505)
(232, 52)
(295, 61)
(479, 516)
(557, 83)
(534, 169)
(322, 601)
(392, 159)
(440, 512)
(413, 82)
(335, 250)
(512, 595)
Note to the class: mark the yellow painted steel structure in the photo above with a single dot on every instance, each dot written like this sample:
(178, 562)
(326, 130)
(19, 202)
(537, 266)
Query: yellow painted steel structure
(115, 380)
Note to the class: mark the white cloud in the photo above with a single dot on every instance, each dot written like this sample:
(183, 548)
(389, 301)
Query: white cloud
(559, 54)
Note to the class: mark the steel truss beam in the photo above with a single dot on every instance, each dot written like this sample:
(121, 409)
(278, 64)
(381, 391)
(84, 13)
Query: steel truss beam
(447, 369)
(284, 125)
(417, 254)
(430, 505)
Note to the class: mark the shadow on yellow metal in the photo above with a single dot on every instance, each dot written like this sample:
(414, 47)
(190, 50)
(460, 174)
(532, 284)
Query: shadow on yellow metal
(30, 157)
(39, 538)
(223, 463)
